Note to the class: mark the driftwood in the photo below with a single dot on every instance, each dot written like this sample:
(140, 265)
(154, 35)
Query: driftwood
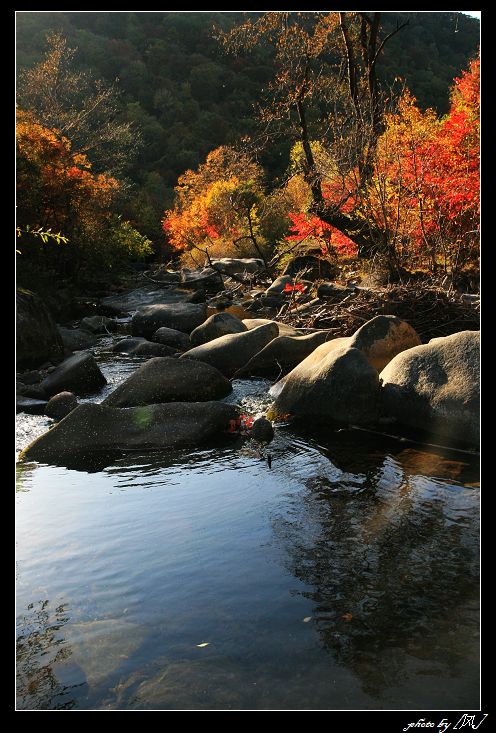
(431, 311)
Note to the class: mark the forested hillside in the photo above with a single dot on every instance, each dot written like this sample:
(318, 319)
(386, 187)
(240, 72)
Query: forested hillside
(187, 97)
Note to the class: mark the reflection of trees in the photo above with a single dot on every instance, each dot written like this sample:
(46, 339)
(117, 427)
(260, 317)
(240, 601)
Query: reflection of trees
(40, 646)
(389, 561)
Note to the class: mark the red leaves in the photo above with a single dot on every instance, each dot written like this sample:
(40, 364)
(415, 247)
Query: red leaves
(241, 424)
(307, 226)
(298, 287)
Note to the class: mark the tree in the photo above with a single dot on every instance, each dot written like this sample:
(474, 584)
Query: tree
(221, 209)
(424, 191)
(325, 89)
(58, 192)
(81, 107)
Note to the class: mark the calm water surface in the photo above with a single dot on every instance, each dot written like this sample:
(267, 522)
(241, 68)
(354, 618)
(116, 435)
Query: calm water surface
(343, 577)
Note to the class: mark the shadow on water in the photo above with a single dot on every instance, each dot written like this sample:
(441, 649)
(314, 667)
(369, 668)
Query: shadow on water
(391, 560)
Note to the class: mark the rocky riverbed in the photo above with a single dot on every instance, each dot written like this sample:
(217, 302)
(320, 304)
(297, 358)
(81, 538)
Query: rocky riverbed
(177, 550)
(382, 374)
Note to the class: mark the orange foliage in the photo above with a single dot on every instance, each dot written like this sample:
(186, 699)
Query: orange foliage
(56, 188)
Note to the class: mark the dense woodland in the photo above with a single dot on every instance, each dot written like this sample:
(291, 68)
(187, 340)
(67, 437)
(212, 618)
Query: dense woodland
(222, 134)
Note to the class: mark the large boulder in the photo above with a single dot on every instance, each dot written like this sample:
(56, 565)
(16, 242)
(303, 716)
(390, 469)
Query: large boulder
(37, 337)
(340, 386)
(180, 316)
(381, 338)
(229, 353)
(239, 266)
(77, 339)
(170, 380)
(92, 428)
(171, 337)
(283, 354)
(435, 387)
(217, 325)
(79, 374)
(139, 346)
(284, 328)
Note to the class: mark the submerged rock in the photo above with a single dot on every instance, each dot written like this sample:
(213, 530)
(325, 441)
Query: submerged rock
(79, 374)
(217, 325)
(335, 384)
(98, 428)
(180, 316)
(229, 353)
(435, 387)
(170, 380)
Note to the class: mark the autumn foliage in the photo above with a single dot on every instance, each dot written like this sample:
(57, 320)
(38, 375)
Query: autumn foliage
(58, 192)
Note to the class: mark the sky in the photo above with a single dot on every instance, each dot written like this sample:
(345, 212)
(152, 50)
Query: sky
(473, 13)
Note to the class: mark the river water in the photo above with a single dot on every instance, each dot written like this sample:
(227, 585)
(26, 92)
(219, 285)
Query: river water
(344, 575)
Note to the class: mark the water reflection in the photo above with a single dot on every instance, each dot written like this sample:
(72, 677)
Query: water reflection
(393, 573)
(41, 647)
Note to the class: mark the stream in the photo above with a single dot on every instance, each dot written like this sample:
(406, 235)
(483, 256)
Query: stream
(344, 575)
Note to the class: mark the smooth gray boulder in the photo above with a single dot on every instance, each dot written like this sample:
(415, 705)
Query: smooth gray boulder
(217, 325)
(61, 405)
(338, 385)
(229, 353)
(165, 379)
(284, 328)
(282, 354)
(139, 346)
(435, 387)
(379, 339)
(37, 336)
(79, 374)
(173, 338)
(180, 316)
(77, 339)
(93, 428)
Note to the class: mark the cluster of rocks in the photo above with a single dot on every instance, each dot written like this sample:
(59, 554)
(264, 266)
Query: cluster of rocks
(381, 372)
